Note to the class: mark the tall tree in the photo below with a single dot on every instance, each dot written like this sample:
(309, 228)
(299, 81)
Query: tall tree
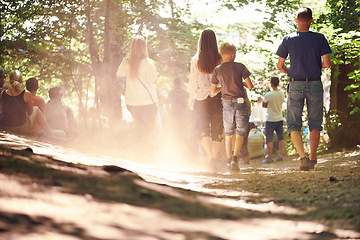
(343, 117)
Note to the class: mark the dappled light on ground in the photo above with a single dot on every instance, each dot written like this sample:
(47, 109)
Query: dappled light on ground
(274, 201)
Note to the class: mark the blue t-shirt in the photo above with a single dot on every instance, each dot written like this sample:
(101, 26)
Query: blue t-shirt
(305, 50)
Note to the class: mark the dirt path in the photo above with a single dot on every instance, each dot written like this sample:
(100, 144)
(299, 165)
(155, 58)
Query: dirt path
(59, 193)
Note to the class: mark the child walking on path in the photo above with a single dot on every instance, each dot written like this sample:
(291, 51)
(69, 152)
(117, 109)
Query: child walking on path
(273, 101)
(230, 75)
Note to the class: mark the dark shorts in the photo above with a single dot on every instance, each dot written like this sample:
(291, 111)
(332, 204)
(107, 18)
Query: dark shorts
(208, 117)
(271, 127)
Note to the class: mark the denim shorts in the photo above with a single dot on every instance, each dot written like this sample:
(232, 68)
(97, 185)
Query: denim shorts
(299, 93)
(270, 127)
(235, 116)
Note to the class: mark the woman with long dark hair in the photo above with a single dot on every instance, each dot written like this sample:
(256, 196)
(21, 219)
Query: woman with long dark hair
(207, 108)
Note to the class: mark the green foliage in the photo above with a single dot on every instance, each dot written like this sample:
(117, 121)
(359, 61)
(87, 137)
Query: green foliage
(63, 42)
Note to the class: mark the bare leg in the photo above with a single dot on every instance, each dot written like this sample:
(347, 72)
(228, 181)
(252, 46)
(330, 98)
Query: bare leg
(281, 147)
(269, 150)
(215, 148)
(238, 144)
(206, 144)
(41, 120)
(297, 140)
(228, 146)
(314, 142)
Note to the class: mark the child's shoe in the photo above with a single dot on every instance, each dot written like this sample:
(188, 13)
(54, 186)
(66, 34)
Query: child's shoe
(267, 160)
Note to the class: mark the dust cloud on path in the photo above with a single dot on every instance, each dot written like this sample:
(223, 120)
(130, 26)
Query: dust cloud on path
(53, 192)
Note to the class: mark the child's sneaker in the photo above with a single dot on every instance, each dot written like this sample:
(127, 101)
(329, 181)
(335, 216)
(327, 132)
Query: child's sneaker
(267, 160)
(304, 164)
(279, 159)
(234, 165)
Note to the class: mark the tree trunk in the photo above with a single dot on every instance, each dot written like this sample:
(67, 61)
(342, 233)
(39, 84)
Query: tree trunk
(344, 132)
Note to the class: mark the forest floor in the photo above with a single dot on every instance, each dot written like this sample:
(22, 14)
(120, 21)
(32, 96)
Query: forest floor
(49, 191)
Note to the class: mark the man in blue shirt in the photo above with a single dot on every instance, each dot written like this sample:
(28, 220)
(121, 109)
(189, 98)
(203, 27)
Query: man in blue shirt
(309, 53)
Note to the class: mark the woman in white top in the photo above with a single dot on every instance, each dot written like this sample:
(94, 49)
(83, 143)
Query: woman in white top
(140, 94)
(207, 108)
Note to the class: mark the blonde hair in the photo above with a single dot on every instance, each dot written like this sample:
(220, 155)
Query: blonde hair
(138, 52)
(16, 79)
(227, 48)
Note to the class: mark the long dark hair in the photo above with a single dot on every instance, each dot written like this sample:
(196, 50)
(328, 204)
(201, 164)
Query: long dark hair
(208, 52)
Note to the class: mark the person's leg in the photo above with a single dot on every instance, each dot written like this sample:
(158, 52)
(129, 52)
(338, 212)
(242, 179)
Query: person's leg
(202, 122)
(215, 148)
(39, 117)
(314, 143)
(295, 105)
(314, 103)
(206, 144)
(228, 146)
(242, 123)
(269, 136)
(217, 125)
(297, 140)
(229, 126)
(281, 148)
(238, 144)
(269, 149)
(280, 136)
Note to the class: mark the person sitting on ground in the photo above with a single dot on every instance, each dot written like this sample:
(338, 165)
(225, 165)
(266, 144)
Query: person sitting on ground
(256, 141)
(18, 114)
(32, 86)
(273, 101)
(59, 116)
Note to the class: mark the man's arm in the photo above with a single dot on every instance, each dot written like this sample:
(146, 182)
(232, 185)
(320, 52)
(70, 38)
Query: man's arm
(281, 65)
(326, 61)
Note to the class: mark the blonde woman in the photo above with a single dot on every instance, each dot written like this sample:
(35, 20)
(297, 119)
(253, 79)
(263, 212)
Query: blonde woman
(18, 114)
(207, 108)
(140, 94)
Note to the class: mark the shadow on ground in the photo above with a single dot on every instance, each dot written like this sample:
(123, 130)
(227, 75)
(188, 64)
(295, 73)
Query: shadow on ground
(42, 197)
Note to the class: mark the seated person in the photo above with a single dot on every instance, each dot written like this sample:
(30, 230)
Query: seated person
(32, 86)
(18, 114)
(59, 116)
(256, 141)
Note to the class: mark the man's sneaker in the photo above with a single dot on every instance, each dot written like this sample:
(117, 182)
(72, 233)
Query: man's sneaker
(312, 163)
(234, 165)
(279, 159)
(267, 160)
(304, 164)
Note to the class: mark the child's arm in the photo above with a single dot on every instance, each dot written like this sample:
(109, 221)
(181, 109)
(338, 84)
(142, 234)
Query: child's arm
(248, 83)
(265, 104)
(215, 89)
